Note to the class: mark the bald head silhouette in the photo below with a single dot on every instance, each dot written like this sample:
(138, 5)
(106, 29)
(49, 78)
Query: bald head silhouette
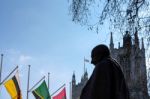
(99, 52)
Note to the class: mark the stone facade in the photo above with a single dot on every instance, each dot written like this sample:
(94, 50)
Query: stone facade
(131, 56)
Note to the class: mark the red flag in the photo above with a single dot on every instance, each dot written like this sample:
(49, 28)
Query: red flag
(61, 95)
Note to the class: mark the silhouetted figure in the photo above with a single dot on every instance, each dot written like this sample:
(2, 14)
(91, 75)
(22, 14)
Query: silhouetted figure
(107, 80)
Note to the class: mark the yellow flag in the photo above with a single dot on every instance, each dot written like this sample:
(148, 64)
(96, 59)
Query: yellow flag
(13, 88)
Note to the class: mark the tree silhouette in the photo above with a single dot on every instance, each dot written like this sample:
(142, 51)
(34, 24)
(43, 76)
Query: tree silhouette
(120, 15)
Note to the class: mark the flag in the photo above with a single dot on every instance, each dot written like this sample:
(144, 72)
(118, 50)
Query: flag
(86, 60)
(61, 95)
(42, 91)
(13, 87)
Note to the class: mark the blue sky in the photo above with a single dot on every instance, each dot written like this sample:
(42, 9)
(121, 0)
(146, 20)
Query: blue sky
(41, 33)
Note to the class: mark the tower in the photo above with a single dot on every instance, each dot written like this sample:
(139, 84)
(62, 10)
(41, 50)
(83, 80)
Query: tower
(77, 88)
(132, 60)
(127, 40)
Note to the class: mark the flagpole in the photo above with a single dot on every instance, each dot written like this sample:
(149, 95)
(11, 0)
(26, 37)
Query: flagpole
(48, 80)
(70, 90)
(9, 75)
(37, 83)
(28, 81)
(84, 65)
(1, 67)
(58, 89)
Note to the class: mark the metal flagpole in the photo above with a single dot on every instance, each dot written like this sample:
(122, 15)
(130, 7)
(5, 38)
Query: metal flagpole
(70, 90)
(8, 75)
(37, 83)
(48, 80)
(58, 89)
(28, 81)
(84, 65)
(1, 67)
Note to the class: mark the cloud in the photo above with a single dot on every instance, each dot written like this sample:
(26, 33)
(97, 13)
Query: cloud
(16, 57)
(24, 59)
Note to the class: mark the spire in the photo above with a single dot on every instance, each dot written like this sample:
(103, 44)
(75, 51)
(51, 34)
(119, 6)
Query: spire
(136, 39)
(118, 44)
(86, 74)
(142, 44)
(73, 76)
(111, 41)
(111, 38)
(73, 79)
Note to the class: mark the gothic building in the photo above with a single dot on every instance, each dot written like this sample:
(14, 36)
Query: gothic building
(131, 56)
(77, 88)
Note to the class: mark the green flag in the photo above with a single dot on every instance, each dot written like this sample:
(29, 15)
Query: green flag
(42, 92)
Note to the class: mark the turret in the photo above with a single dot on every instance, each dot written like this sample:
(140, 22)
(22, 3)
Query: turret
(84, 78)
(127, 43)
(73, 79)
(111, 45)
(86, 75)
(136, 39)
(118, 44)
(143, 48)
